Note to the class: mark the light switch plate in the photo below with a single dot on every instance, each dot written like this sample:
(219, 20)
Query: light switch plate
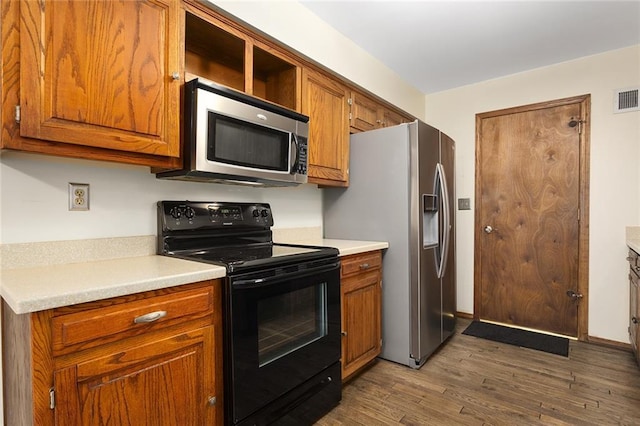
(464, 204)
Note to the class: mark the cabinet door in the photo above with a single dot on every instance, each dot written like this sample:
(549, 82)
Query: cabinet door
(361, 320)
(390, 118)
(167, 382)
(364, 113)
(101, 73)
(325, 102)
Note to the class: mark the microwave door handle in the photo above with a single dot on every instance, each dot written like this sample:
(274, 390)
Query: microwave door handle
(295, 154)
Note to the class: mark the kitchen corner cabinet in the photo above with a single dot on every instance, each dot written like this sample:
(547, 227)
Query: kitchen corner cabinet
(367, 114)
(361, 292)
(93, 79)
(325, 101)
(149, 358)
(634, 299)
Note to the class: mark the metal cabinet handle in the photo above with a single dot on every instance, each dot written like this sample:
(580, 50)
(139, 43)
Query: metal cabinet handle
(634, 320)
(365, 266)
(150, 317)
(175, 76)
(344, 333)
(212, 401)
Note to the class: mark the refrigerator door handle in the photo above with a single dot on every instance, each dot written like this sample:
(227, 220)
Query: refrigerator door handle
(446, 225)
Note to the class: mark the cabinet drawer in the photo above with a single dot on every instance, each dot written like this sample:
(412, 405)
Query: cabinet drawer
(93, 327)
(360, 263)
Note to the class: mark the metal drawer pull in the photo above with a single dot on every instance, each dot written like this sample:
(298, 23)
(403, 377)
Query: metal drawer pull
(364, 266)
(150, 317)
(634, 320)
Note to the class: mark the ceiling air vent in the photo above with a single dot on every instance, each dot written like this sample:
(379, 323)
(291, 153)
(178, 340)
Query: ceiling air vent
(626, 100)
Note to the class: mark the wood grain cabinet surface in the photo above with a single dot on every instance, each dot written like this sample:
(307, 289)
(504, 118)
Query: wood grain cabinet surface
(152, 358)
(93, 79)
(102, 80)
(325, 101)
(634, 300)
(368, 114)
(361, 292)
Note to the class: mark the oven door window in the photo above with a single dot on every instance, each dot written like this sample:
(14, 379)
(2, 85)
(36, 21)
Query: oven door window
(241, 143)
(290, 321)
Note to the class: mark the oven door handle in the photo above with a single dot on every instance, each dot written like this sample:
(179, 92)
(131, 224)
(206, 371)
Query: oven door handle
(263, 282)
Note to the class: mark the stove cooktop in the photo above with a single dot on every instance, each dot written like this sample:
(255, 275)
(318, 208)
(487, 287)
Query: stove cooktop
(234, 235)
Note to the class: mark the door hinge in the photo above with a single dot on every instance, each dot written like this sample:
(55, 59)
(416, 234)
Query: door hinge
(350, 101)
(17, 116)
(350, 117)
(52, 398)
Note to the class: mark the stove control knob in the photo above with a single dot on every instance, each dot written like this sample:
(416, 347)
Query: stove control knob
(189, 213)
(256, 213)
(264, 213)
(175, 213)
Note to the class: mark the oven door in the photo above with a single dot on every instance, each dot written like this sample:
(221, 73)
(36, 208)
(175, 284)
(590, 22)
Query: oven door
(284, 328)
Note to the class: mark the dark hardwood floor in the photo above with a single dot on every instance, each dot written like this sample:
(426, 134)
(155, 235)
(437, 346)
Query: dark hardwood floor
(472, 381)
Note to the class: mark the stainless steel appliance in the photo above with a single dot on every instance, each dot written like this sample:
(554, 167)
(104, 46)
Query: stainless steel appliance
(402, 191)
(281, 310)
(235, 138)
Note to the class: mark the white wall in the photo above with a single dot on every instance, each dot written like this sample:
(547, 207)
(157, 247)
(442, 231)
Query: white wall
(294, 25)
(122, 199)
(614, 175)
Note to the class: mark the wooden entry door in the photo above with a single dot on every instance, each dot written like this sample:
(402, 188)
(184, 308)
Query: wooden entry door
(531, 198)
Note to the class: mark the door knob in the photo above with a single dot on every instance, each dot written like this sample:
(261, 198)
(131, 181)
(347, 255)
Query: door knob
(488, 229)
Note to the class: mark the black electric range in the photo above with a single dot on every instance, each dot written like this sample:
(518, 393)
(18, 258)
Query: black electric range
(281, 310)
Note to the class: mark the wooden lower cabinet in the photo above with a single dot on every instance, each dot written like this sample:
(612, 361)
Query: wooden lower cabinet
(634, 299)
(159, 364)
(361, 291)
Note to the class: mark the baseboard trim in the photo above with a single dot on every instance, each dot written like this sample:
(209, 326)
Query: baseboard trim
(609, 343)
(464, 315)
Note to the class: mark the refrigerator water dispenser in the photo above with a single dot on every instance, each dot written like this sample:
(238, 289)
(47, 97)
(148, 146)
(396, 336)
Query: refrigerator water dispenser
(430, 221)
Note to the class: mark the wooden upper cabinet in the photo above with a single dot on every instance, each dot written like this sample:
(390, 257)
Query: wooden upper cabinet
(368, 114)
(364, 113)
(220, 51)
(101, 73)
(325, 101)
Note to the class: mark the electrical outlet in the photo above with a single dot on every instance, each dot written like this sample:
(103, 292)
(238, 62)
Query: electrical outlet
(78, 196)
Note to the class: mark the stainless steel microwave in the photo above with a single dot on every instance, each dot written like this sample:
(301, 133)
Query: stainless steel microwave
(231, 137)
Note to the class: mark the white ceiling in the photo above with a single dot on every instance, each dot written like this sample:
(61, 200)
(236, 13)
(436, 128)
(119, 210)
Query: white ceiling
(439, 45)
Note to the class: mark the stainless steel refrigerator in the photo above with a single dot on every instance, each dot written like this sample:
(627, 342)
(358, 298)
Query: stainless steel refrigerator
(402, 191)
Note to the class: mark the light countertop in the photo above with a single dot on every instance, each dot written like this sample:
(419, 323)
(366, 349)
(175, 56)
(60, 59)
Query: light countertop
(634, 244)
(44, 287)
(347, 247)
(33, 288)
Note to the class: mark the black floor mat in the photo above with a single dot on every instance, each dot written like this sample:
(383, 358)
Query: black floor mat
(515, 336)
